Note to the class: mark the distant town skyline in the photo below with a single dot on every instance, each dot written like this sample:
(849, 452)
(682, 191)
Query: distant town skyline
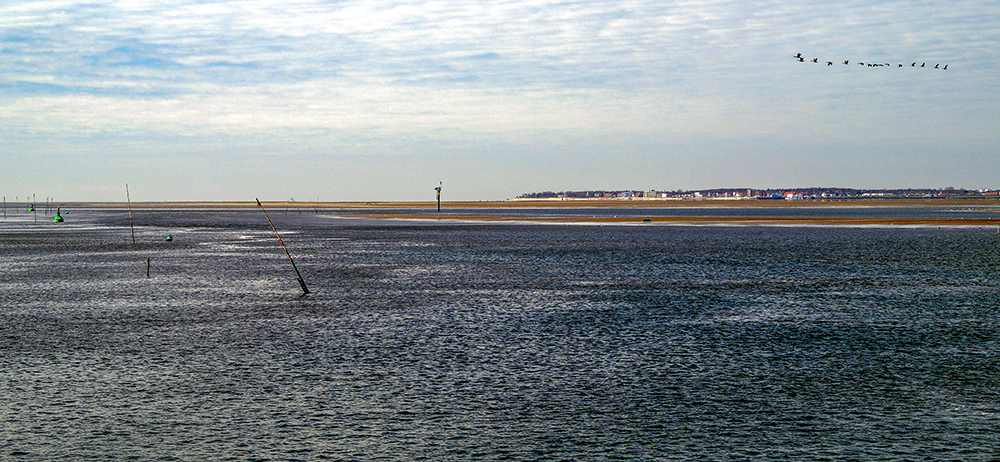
(357, 101)
(761, 193)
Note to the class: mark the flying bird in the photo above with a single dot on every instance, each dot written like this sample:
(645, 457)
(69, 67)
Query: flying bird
(802, 59)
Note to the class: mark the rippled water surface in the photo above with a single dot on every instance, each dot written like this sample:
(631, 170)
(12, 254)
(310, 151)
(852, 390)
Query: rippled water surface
(459, 341)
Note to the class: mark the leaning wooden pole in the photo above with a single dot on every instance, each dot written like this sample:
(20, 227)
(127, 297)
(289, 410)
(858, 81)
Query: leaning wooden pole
(305, 290)
(130, 224)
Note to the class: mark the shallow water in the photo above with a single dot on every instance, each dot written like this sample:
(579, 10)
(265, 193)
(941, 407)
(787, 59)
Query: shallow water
(461, 341)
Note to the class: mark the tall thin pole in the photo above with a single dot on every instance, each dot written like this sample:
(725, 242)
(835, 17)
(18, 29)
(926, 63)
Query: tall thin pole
(130, 224)
(438, 189)
(302, 283)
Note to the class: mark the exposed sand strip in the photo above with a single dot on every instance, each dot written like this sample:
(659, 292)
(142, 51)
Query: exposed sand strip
(707, 203)
(426, 210)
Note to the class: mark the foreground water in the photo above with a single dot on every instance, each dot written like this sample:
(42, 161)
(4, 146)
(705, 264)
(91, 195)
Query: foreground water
(459, 341)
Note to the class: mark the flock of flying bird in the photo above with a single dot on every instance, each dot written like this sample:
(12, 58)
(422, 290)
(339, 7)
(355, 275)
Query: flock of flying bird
(801, 59)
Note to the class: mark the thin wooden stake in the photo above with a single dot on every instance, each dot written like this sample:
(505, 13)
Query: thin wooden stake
(130, 224)
(302, 283)
(438, 189)
(147, 266)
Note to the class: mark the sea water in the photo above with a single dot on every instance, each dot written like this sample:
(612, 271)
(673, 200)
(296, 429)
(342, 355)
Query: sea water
(425, 340)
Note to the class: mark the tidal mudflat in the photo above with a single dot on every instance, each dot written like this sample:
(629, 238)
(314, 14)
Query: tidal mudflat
(547, 334)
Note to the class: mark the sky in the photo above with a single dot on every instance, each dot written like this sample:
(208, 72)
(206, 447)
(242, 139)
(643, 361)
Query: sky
(384, 100)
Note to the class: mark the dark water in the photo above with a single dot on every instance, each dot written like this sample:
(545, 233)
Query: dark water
(424, 341)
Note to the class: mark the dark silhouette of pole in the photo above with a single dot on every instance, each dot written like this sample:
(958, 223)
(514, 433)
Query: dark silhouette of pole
(302, 283)
(438, 189)
(130, 224)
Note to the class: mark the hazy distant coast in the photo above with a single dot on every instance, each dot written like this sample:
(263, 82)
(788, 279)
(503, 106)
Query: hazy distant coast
(790, 194)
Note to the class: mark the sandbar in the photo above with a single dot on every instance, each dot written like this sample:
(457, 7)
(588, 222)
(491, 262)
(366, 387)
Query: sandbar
(572, 203)
(427, 210)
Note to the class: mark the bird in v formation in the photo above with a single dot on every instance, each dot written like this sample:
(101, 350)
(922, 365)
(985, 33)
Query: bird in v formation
(802, 59)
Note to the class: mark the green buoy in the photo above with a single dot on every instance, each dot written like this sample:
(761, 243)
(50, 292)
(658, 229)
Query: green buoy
(58, 218)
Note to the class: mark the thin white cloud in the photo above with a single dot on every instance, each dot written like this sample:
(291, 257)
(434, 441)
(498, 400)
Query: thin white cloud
(372, 106)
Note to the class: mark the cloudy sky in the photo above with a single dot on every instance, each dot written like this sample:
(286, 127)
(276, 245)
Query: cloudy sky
(382, 100)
